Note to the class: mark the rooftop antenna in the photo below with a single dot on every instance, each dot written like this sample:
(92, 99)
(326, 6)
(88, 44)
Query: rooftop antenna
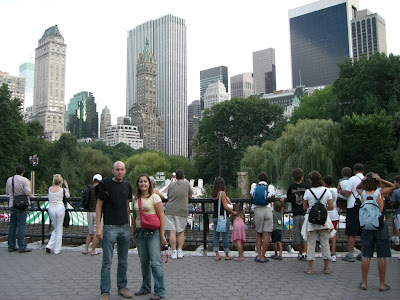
(300, 76)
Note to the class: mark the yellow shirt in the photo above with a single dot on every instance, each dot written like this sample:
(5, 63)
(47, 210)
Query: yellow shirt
(147, 206)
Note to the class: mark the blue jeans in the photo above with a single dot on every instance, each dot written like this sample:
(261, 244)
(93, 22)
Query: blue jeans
(225, 236)
(121, 235)
(149, 249)
(17, 219)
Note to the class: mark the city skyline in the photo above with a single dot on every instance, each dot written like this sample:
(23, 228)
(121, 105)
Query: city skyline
(97, 44)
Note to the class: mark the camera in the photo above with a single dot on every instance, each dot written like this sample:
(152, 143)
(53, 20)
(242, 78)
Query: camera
(165, 248)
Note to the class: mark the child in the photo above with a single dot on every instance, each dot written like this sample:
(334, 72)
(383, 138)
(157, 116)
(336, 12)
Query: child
(333, 214)
(277, 230)
(238, 233)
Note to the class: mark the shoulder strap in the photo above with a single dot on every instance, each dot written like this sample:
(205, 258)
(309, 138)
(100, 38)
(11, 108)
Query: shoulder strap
(219, 205)
(318, 199)
(64, 199)
(13, 185)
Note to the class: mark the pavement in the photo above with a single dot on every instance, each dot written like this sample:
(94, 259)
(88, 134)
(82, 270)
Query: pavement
(71, 275)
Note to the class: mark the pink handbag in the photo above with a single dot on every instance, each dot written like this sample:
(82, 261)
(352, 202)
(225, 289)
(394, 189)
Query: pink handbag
(148, 221)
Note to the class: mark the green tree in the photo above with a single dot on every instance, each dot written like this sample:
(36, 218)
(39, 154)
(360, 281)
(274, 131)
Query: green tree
(12, 134)
(92, 161)
(376, 79)
(181, 162)
(367, 139)
(227, 129)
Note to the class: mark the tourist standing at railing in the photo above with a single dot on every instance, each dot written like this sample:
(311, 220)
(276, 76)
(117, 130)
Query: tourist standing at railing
(263, 218)
(218, 192)
(113, 203)
(295, 194)
(91, 215)
(395, 201)
(333, 214)
(56, 211)
(18, 215)
(149, 242)
(176, 212)
(318, 192)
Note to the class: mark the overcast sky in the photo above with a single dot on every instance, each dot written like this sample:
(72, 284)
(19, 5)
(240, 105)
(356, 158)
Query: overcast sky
(219, 32)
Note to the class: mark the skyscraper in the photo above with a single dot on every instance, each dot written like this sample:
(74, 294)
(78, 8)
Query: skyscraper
(16, 85)
(194, 113)
(105, 121)
(264, 73)
(27, 71)
(368, 32)
(144, 113)
(49, 88)
(320, 37)
(212, 75)
(242, 85)
(167, 41)
(215, 93)
(81, 118)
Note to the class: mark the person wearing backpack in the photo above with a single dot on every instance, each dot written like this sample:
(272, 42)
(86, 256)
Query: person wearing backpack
(313, 197)
(375, 235)
(263, 195)
(91, 214)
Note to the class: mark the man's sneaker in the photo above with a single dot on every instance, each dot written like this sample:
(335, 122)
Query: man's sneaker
(289, 249)
(304, 256)
(180, 253)
(174, 254)
(125, 292)
(105, 296)
(333, 258)
(396, 240)
(300, 256)
(349, 257)
(359, 256)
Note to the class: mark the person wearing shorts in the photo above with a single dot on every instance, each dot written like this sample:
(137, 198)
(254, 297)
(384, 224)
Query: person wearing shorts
(176, 212)
(395, 201)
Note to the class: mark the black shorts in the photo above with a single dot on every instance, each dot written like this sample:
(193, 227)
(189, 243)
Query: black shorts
(378, 238)
(276, 235)
(352, 221)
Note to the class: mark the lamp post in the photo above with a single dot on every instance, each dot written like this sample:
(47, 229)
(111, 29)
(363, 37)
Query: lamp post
(219, 135)
(33, 160)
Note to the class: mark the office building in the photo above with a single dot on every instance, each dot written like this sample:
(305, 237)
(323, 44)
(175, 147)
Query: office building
(264, 72)
(194, 114)
(49, 87)
(16, 85)
(242, 85)
(368, 33)
(320, 37)
(105, 121)
(126, 134)
(145, 113)
(124, 120)
(167, 41)
(212, 75)
(215, 93)
(27, 71)
(81, 117)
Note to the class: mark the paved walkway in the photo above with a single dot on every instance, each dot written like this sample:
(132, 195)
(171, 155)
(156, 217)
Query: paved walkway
(71, 275)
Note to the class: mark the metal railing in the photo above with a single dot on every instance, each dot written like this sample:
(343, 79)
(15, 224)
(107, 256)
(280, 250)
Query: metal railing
(198, 231)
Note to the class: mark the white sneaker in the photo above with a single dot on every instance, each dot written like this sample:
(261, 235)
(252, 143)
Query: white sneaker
(174, 254)
(180, 253)
(333, 258)
(396, 240)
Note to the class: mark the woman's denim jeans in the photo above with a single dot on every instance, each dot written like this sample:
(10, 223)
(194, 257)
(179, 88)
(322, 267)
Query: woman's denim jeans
(225, 236)
(17, 222)
(149, 249)
(112, 234)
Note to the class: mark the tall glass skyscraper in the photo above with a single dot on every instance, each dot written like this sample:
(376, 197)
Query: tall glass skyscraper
(167, 40)
(209, 76)
(27, 71)
(264, 73)
(320, 36)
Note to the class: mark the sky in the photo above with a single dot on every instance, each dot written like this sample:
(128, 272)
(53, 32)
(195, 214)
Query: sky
(219, 32)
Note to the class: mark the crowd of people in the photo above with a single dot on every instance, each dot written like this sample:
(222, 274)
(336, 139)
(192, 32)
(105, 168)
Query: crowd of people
(109, 220)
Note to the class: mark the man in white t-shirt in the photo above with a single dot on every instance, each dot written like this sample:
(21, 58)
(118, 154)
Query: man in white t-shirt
(352, 215)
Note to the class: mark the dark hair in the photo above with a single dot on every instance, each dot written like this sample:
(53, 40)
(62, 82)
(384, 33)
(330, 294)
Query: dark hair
(19, 169)
(239, 208)
(138, 191)
(297, 174)
(346, 172)
(315, 179)
(278, 205)
(369, 183)
(328, 179)
(179, 174)
(218, 185)
(358, 167)
(263, 177)
(397, 179)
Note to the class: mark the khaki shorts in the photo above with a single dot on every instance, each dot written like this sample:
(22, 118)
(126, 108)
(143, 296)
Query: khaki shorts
(175, 223)
(91, 218)
(263, 220)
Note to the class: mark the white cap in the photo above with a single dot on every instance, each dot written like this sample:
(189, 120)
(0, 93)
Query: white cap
(97, 177)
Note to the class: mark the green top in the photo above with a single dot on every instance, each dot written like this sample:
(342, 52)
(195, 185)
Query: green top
(278, 223)
(53, 30)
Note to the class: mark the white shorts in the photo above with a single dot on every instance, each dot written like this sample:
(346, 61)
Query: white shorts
(397, 221)
(175, 223)
(91, 218)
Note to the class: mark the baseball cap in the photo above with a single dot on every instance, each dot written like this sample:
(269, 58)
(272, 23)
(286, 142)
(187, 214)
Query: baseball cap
(97, 177)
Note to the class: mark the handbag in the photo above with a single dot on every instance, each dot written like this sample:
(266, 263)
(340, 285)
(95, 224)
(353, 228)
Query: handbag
(148, 221)
(221, 221)
(67, 219)
(19, 201)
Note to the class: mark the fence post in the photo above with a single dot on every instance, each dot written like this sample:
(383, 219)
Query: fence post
(42, 226)
(205, 227)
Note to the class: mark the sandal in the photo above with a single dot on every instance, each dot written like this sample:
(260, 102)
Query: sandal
(327, 271)
(218, 258)
(238, 259)
(228, 258)
(385, 289)
(309, 272)
(364, 288)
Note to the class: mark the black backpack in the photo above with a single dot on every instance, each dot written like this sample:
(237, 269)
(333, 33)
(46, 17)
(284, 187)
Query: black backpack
(86, 197)
(318, 212)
